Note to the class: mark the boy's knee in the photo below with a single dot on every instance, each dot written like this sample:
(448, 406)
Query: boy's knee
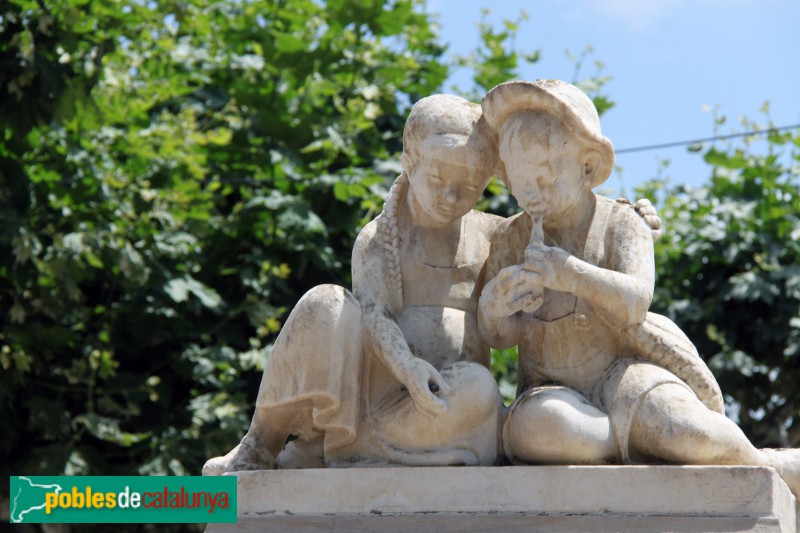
(535, 431)
(673, 424)
(557, 427)
(677, 409)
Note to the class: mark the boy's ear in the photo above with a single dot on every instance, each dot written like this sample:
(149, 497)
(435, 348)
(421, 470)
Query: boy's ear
(591, 162)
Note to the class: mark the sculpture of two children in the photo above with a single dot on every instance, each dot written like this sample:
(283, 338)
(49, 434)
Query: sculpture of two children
(396, 372)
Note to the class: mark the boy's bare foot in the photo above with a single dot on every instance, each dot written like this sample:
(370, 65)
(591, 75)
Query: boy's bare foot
(787, 462)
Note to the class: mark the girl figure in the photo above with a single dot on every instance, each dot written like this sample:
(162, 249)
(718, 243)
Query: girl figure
(589, 390)
(395, 372)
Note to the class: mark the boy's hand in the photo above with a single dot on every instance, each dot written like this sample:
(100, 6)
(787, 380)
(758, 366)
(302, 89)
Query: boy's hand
(549, 262)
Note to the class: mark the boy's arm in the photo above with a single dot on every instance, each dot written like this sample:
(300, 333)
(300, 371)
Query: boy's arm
(382, 335)
(624, 290)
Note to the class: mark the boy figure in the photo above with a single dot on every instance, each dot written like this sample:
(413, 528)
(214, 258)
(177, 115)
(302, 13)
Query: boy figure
(589, 392)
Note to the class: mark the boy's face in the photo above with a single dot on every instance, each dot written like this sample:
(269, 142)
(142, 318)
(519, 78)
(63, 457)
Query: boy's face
(447, 190)
(545, 181)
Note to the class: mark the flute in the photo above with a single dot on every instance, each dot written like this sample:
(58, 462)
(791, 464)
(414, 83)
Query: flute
(533, 301)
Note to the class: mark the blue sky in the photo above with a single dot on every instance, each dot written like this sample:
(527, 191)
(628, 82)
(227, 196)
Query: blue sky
(671, 61)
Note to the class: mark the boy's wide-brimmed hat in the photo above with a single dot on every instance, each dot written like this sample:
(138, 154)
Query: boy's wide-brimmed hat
(563, 100)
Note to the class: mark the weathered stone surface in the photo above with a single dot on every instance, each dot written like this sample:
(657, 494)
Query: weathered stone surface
(518, 498)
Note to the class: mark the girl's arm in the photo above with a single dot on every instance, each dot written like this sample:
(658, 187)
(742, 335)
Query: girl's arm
(383, 336)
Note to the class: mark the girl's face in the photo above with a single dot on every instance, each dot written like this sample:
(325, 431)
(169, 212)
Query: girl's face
(446, 190)
(544, 172)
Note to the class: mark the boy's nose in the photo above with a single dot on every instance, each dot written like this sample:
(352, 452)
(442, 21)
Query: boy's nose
(451, 195)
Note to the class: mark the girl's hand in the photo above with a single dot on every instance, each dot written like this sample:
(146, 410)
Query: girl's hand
(513, 289)
(425, 385)
(648, 212)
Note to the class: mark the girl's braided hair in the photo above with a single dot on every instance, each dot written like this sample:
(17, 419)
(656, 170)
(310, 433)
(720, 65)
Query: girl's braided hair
(388, 228)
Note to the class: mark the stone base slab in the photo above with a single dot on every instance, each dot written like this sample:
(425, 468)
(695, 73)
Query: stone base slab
(515, 498)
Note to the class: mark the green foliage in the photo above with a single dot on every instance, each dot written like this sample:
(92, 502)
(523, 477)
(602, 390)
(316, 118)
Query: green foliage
(506, 371)
(729, 274)
(593, 85)
(174, 175)
(495, 59)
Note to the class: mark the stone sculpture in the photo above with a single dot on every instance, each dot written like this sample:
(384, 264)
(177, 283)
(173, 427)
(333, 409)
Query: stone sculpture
(571, 280)
(396, 372)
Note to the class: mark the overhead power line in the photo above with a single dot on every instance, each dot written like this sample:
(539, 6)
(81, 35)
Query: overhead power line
(706, 140)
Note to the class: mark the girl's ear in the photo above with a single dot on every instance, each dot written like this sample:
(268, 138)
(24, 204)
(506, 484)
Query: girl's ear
(405, 162)
(499, 170)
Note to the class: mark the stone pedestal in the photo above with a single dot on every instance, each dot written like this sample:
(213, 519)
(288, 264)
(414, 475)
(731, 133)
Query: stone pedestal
(515, 498)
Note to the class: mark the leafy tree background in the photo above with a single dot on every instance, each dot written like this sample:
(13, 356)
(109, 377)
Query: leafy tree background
(174, 174)
(729, 274)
